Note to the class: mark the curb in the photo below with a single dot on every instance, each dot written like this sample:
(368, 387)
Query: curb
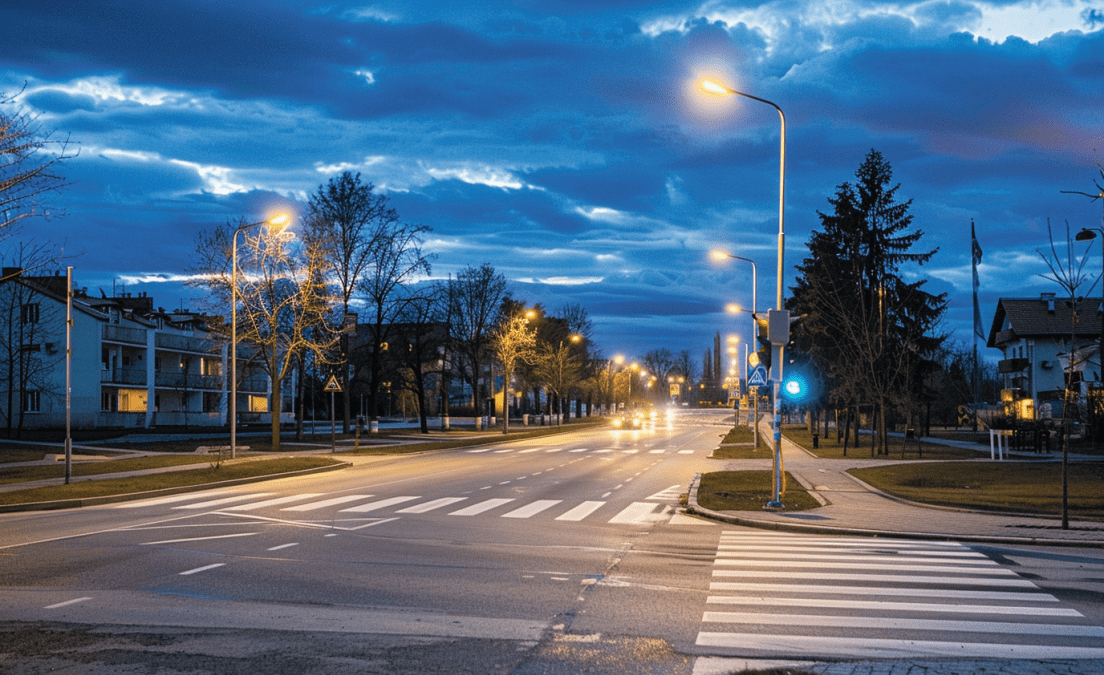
(133, 496)
(692, 506)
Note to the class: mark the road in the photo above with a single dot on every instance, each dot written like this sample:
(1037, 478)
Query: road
(557, 555)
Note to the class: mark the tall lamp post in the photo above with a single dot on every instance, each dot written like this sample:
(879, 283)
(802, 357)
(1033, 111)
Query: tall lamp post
(276, 225)
(714, 87)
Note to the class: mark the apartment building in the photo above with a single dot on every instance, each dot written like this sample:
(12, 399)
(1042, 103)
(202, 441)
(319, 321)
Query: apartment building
(132, 366)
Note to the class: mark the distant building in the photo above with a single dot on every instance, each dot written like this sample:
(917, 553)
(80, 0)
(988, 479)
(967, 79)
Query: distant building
(132, 366)
(1037, 337)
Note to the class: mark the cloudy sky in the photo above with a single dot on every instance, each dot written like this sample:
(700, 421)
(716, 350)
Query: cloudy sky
(564, 142)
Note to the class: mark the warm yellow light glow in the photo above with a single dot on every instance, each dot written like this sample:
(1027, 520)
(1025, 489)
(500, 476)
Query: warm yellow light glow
(713, 87)
(732, 309)
(721, 255)
(619, 359)
(734, 339)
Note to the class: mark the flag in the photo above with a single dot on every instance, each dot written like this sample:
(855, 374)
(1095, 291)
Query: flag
(979, 329)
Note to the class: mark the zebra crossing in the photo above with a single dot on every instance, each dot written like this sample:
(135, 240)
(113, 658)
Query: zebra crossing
(575, 451)
(656, 508)
(793, 596)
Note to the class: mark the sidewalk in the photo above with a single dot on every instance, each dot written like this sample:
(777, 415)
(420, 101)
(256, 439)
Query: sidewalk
(853, 507)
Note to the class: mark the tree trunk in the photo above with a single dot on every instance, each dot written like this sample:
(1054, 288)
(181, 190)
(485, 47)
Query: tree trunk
(274, 407)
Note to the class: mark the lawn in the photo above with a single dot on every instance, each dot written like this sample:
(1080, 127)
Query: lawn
(830, 448)
(134, 484)
(749, 491)
(1005, 487)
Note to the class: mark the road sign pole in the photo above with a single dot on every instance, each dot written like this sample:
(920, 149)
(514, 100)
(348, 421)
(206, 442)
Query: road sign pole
(333, 423)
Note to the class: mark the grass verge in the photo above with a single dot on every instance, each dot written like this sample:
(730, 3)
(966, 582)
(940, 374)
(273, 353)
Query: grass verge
(22, 474)
(749, 491)
(830, 448)
(1016, 487)
(146, 483)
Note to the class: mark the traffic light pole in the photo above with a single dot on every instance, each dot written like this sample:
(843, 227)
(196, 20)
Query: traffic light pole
(776, 502)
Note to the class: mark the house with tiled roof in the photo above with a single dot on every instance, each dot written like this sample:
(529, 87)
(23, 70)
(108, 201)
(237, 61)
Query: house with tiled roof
(1037, 337)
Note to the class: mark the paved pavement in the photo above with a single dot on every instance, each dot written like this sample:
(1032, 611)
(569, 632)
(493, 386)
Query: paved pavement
(853, 507)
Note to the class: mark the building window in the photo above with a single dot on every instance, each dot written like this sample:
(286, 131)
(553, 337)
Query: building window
(133, 400)
(211, 401)
(211, 367)
(32, 401)
(258, 404)
(29, 313)
(108, 401)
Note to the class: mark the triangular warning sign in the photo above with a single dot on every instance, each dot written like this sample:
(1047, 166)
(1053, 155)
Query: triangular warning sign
(332, 384)
(758, 377)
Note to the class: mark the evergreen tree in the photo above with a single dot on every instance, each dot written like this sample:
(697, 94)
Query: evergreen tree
(867, 331)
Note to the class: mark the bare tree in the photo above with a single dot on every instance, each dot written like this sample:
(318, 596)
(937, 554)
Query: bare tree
(396, 261)
(560, 368)
(513, 341)
(1069, 273)
(281, 295)
(474, 298)
(344, 220)
(29, 163)
(419, 341)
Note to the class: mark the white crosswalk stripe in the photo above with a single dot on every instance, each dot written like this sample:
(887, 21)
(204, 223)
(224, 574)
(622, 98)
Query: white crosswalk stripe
(635, 513)
(896, 599)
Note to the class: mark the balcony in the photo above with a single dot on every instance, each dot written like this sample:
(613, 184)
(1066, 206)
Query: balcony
(1012, 365)
(124, 334)
(184, 343)
(124, 376)
(188, 381)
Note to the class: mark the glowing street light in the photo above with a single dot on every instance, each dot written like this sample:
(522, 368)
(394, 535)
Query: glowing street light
(716, 88)
(276, 228)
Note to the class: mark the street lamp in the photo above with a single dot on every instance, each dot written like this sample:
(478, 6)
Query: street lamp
(714, 87)
(1088, 234)
(276, 225)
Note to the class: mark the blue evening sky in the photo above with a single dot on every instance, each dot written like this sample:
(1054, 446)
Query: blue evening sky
(564, 142)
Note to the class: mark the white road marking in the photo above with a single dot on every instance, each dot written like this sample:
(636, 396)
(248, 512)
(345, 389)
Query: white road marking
(66, 603)
(894, 606)
(581, 511)
(272, 502)
(636, 513)
(999, 596)
(1013, 581)
(892, 623)
(862, 648)
(432, 505)
(225, 500)
(168, 500)
(532, 509)
(476, 509)
(859, 566)
(182, 541)
(381, 504)
(201, 569)
(281, 547)
(326, 502)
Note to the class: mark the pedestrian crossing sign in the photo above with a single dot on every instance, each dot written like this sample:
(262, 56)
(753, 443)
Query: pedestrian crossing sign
(758, 377)
(332, 384)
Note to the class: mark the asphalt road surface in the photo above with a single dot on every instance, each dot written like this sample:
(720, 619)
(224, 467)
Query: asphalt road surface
(556, 555)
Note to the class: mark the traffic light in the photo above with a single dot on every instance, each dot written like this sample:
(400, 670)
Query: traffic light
(797, 387)
(764, 352)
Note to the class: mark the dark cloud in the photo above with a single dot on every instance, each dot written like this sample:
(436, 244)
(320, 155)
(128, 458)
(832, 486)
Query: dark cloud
(562, 141)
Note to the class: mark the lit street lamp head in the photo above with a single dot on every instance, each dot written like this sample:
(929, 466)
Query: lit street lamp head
(711, 86)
